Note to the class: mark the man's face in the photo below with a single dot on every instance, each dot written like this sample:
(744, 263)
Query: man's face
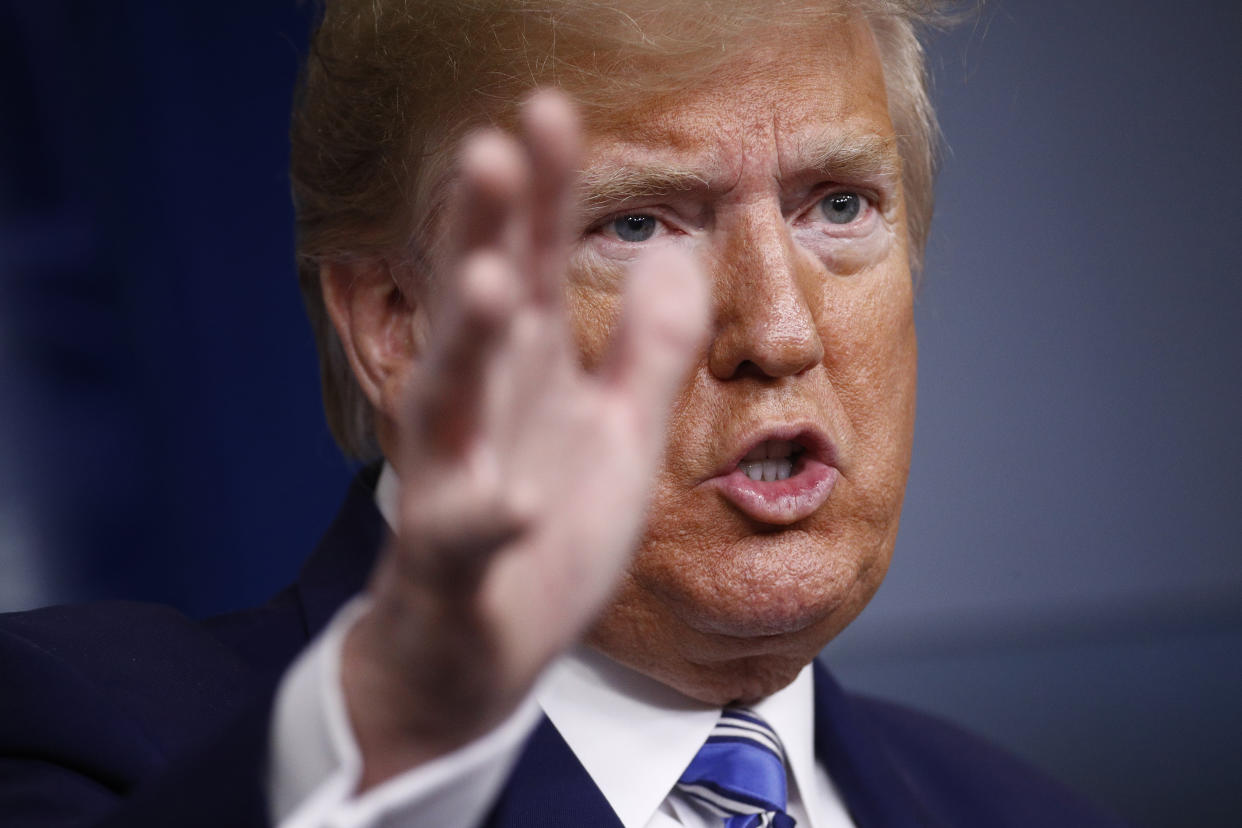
(780, 173)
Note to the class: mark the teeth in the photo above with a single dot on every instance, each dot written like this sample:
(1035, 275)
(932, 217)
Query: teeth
(767, 470)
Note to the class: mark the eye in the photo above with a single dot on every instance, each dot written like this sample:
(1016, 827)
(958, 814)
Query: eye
(842, 208)
(634, 228)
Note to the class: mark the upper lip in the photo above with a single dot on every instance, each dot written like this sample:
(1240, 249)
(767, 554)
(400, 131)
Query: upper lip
(815, 444)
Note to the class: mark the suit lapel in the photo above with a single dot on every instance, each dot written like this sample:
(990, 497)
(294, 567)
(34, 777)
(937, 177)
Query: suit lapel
(875, 793)
(342, 561)
(549, 787)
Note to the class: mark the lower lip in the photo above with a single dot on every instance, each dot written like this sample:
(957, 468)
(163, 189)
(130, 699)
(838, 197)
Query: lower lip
(779, 502)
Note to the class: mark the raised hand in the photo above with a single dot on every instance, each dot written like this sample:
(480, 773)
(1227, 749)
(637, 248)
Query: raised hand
(523, 477)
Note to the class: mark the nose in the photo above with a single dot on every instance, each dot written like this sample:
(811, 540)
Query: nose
(765, 295)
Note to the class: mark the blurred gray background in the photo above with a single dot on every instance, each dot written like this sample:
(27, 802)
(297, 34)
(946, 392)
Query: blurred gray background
(1067, 579)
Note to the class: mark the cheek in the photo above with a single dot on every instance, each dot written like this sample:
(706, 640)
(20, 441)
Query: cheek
(872, 357)
(843, 254)
(866, 324)
(593, 304)
(892, 370)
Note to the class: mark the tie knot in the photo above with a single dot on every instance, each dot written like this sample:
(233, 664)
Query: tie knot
(739, 773)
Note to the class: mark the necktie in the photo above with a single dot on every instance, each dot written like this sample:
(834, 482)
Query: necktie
(739, 773)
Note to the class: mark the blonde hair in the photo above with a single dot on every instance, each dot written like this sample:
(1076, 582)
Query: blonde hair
(391, 85)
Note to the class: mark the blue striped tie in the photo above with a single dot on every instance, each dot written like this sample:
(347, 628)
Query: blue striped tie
(739, 774)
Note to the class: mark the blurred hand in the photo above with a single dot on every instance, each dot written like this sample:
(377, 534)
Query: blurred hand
(524, 478)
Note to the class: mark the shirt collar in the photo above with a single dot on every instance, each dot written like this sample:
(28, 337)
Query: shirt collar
(635, 736)
(387, 495)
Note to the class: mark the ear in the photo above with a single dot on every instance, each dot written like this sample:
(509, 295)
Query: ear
(374, 319)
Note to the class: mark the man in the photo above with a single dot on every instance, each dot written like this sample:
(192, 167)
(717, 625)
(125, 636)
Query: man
(639, 353)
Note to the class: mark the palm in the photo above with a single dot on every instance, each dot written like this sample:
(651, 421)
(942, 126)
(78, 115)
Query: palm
(524, 477)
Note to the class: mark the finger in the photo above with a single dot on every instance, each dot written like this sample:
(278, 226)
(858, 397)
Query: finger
(552, 137)
(456, 516)
(472, 306)
(663, 326)
(450, 400)
(493, 180)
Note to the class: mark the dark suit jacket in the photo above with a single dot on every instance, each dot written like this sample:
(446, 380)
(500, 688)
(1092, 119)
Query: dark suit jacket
(133, 715)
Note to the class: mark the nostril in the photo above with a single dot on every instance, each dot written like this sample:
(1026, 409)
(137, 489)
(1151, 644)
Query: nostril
(749, 368)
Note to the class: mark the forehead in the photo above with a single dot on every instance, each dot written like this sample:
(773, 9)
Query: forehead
(786, 94)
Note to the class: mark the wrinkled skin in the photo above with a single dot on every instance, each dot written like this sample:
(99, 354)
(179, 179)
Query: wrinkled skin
(812, 323)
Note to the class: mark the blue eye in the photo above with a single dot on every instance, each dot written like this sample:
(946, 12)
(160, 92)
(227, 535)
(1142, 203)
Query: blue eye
(842, 208)
(634, 228)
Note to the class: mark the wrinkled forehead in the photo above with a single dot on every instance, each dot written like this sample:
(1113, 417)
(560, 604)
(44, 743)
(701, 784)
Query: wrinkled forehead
(793, 94)
(770, 58)
(613, 59)
(683, 87)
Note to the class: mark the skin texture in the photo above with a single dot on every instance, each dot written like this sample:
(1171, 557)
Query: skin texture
(533, 386)
(808, 328)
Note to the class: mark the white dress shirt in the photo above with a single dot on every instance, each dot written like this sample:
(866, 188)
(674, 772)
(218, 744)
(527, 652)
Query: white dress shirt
(632, 734)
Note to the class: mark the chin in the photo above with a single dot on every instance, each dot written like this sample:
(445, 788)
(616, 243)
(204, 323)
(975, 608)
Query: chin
(762, 590)
(744, 681)
(705, 676)
(719, 657)
(766, 614)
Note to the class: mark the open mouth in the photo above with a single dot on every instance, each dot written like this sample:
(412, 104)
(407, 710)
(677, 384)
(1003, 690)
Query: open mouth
(771, 460)
(785, 476)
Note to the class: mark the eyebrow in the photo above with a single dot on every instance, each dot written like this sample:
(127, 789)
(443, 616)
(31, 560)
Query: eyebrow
(852, 157)
(832, 155)
(609, 184)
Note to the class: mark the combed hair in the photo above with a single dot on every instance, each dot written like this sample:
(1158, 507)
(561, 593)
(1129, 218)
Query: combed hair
(390, 86)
